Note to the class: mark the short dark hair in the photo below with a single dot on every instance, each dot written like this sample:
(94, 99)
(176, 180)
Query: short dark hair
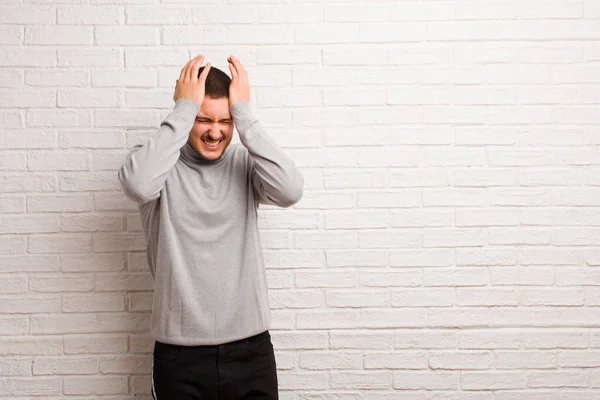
(217, 83)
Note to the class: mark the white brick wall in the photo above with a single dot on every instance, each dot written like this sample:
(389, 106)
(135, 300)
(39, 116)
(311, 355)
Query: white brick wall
(447, 246)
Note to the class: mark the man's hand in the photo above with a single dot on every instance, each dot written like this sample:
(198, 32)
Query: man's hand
(189, 86)
(239, 90)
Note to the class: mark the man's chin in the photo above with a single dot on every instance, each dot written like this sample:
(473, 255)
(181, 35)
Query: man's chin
(211, 155)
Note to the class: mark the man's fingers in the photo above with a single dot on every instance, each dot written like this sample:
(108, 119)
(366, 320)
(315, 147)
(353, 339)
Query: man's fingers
(234, 74)
(238, 66)
(204, 74)
(185, 71)
(193, 71)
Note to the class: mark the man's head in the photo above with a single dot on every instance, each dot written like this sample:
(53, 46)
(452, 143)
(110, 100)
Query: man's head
(213, 129)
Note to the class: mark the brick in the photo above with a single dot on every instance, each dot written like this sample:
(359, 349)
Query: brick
(356, 13)
(194, 35)
(454, 115)
(326, 200)
(127, 118)
(17, 224)
(11, 77)
(22, 263)
(421, 258)
(93, 302)
(92, 223)
(65, 366)
(119, 282)
(551, 9)
(31, 345)
(540, 317)
(34, 98)
(88, 181)
(391, 279)
(89, 15)
(294, 258)
(423, 298)
(97, 385)
(292, 14)
(460, 360)
(288, 97)
(27, 14)
(11, 35)
(13, 162)
(355, 178)
(56, 77)
(238, 14)
(30, 56)
(107, 242)
(59, 35)
(357, 299)
(361, 380)
(398, 318)
(392, 32)
(355, 97)
(58, 161)
(90, 57)
(97, 139)
(110, 161)
(493, 380)
(345, 55)
(325, 279)
(60, 203)
(379, 239)
(129, 77)
(84, 98)
(61, 324)
(144, 99)
(29, 304)
(61, 283)
(429, 380)
(557, 379)
(356, 258)
(11, 183)
(60, 243)
(11, 284)
(95, 344)
(289, 55)
(58, 119)
(91, 263)
(261, 34)
(303, 380)
(12, 204)
(157, 16)
(331, 33)
(30, 386)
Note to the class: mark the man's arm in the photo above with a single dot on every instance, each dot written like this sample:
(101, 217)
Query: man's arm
(146, 167)
(275, 177)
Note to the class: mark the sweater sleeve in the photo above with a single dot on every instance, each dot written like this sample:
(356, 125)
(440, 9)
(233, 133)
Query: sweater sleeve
(146, 167)
(275, 177)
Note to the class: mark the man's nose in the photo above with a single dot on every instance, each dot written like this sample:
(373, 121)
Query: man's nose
(214, 132)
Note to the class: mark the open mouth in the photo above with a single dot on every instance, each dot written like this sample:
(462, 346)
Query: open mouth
(212, 144)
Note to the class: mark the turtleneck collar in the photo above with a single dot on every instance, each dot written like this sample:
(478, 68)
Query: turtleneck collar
(189, 154)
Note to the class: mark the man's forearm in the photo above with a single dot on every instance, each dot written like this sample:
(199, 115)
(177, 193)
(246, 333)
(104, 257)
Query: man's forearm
(275, 177)
(146, 167)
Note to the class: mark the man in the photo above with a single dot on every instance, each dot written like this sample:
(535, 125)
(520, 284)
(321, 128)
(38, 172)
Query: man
(198, 198)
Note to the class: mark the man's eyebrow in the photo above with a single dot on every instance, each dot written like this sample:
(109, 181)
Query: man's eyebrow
(204, 117)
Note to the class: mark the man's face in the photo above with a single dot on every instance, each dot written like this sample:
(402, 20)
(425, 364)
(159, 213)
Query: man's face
(213, 128)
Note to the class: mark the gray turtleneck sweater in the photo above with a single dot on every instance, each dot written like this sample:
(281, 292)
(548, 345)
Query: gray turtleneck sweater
(199, 218)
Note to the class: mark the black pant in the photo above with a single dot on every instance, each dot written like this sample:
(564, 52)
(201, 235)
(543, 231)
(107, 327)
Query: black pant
(240, 370)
